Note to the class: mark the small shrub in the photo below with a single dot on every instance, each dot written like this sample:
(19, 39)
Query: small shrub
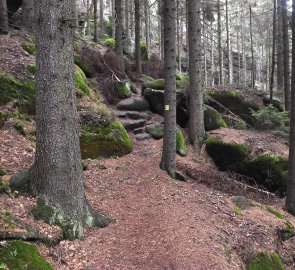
(265, 261)
(110, 42)
(275, 212)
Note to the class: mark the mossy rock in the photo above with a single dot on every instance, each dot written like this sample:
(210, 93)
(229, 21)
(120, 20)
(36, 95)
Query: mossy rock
(23, 91)
(235, 103)
(123, 89)
(81, 84)
(225, 154)
(18, 255)
(213, 119)
(109, 141)
(268, 170)
(181, 147)
(87, 69)
(29, 47)
(266, 261)
(276, 102)
(144, 51)
(155, 84)
(157, 132)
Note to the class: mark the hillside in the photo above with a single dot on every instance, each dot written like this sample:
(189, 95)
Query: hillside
(214, 220)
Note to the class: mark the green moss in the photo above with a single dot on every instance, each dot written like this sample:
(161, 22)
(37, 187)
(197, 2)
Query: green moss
(213, 119)
(123, 89)
(23, 91)
(54, 216)
(288, 231)
(32, 68)
(238, 211)
(88, 71)
(225, 154)
(181, 146)
(265, 261)
(2, 172)
(110, 42)
(144, 51)
(271, 210)
(81, 85)
(18, 255)
(155, 84)
(29, 47)
(99, 141)
(19, 126)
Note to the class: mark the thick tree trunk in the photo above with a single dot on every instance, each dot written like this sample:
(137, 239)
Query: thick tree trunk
(28, 14)
(290, 199)
(118, 35)
(59, 180)
(286, 56)
(95, 13)
(168, 161)
(3, 17)
(196, 121)
(137, 36)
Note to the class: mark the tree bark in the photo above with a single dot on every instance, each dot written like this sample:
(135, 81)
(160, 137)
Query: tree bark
(290, 199)
(59, 180)
(196, 120)
(118, 35)
(271, 83)
(28, 14)
(101, 19)
(114, 18)
(168, 161)
(220, 52)
(286, 56)
(137, 36)
(3, 18)
(127, 8)
(95, 13)
(147, 27)
(229, 54)
(280, 50)
(252, 52)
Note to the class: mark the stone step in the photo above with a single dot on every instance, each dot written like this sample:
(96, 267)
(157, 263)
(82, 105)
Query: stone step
(135, 115)
(142, 137)
(133, 104)
(133, 124)
(139, 130)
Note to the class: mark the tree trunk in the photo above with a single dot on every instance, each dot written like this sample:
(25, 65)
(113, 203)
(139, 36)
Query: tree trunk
(95, 20)
(114, 19)
(28, 14)
(252, 52)
(280, 50)
(147, 30)
(290, 199)
(118, 35)
(101, 19)
(220, 52)
(168, 161)
(229, 55)
(88, 18)
(127, 18)
(58, 181)
(274, 34)
(3, 18)
(196, 120)
(286, 56)
(212, 59)
(137, 36)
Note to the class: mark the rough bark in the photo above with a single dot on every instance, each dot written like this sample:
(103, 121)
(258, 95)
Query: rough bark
(286, 56)
(280, 50)
(196, 121)
(229, 54)
(147, 26)
(3, 17)
(220, 52)
(114, 18)
(168, 161)
(271, 83)
(137, 36)
(290, 199)
(28, 14)
(127, 17)
(252, 51)
(119, 36)
(95, 13)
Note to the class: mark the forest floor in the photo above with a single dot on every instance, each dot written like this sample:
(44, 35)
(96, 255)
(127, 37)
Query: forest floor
(158, 223)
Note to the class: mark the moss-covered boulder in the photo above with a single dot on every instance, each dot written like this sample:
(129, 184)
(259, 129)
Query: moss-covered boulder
(157, 132)
(144, 51)
(105, 141)
(81, 63)
(276, 102)
(18, 255)
(154, 84)
(80, 83)
(133, 104)
(22, 91)
(266, 261)
(213, 119)
(123, 89)
(236, 103)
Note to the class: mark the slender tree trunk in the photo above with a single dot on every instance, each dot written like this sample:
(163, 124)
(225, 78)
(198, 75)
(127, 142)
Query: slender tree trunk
(196, 120)
(101, 19)
(3, 18)
(212, 58)
(220, 52)
(168, 161)
(147, 30)
(274, 34)
(137, 36)
(88, 18)
(280, 50)
(286, 56)
(252, 52)
(290, 199)
(127, 17)
(118, 35)
(229, 55)
(114, 17)
(28, 14)
(59, 180)
(95, 13)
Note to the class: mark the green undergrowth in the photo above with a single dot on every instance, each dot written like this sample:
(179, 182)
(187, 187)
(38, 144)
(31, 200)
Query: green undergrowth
(266, 261)
(29, 47)
(181, 146)
(20, 127)
(273, 211)
(110, 42)
(18, 255)
(32, 68)
(81, 84)
(101, 141)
